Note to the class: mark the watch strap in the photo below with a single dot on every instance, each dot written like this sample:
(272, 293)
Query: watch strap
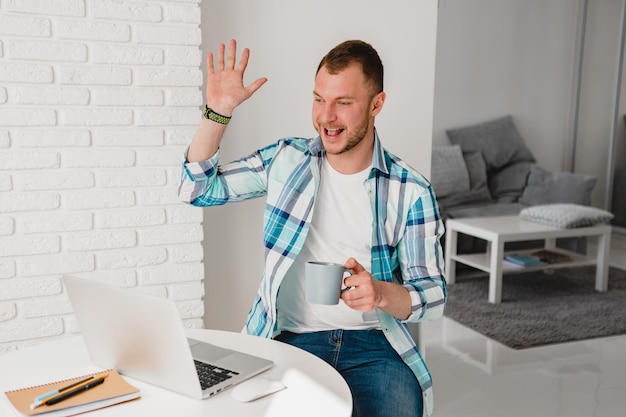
(208, 113)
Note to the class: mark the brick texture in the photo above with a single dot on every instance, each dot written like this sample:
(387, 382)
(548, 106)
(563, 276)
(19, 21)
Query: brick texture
(98, 99)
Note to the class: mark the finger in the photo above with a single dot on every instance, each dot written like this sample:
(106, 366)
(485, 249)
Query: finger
(243, 61)
(354, 265)
(357, 301)
(255, 85)
(232, 54)
(356, 280)
(209, 63)
(220, 57)
(351, 283)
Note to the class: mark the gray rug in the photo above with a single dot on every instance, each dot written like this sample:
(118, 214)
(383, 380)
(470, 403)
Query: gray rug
(541, 308)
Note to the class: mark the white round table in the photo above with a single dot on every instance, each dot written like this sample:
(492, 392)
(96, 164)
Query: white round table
(313, 387)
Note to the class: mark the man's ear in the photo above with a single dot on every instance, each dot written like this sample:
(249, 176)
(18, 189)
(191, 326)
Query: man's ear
(377, 103)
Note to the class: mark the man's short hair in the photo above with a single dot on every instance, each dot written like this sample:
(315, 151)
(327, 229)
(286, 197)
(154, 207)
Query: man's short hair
(355, 51)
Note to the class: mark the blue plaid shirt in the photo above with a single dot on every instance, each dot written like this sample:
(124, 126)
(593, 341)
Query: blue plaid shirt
(405, 234)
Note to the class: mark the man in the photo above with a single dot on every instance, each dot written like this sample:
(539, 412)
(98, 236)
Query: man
(342, 198)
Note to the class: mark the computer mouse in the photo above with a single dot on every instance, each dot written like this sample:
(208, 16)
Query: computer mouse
(255, 388)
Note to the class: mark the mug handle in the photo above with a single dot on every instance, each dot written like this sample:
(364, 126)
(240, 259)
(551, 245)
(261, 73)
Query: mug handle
(351, 272)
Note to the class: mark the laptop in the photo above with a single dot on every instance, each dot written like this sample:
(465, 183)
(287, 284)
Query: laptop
(142, 336)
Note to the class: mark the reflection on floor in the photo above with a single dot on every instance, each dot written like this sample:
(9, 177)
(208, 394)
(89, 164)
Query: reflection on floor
(477, 377)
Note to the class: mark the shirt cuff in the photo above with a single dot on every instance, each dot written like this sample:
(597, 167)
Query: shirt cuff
(202, 169)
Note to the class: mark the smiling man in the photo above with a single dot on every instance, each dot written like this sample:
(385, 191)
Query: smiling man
(340, 197)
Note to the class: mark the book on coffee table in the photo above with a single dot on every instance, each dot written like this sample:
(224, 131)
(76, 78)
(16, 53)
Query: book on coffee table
(551, 257)
(523, 260)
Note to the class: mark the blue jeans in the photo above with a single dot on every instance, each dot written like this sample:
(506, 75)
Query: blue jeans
(382, 385)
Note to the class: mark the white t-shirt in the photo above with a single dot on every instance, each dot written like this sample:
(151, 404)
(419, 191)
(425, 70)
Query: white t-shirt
(341, 228)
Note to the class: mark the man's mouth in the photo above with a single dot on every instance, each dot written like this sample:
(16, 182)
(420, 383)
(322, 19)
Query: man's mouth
(332, 132)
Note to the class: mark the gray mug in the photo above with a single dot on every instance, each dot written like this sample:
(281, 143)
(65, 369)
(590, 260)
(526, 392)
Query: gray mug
(323, 282)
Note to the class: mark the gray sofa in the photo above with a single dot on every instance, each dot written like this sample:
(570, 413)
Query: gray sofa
(487, 170)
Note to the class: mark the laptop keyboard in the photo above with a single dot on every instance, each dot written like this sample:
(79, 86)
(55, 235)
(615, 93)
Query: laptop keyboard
(212, 375)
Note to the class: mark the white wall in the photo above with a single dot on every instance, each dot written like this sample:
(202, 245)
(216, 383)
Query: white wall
(499, 57)
(598, 92)
(287, 40)
(97, 102)
(520, 57)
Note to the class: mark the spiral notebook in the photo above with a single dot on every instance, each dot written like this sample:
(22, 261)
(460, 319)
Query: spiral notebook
(114, 390)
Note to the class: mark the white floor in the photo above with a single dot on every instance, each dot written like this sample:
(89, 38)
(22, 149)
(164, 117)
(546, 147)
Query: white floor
(475, 376)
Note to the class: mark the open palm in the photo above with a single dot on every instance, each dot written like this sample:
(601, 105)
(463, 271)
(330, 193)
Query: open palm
(225, 89)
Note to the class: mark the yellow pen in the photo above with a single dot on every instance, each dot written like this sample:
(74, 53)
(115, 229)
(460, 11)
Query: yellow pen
(75, 389)
(39, 400)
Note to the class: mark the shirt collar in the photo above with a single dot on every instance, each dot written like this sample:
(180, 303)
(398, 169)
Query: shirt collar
(378, 158)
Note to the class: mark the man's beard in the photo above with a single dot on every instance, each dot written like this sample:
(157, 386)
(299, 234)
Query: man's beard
(353, 138)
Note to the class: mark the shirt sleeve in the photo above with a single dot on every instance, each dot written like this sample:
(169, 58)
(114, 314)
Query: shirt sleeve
(421, 259)
(206, 183)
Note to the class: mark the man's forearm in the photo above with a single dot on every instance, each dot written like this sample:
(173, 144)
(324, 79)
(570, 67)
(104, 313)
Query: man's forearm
(394, 299)
(206, 141)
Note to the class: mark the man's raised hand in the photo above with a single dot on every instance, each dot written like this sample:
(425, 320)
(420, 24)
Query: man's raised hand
(225, 89)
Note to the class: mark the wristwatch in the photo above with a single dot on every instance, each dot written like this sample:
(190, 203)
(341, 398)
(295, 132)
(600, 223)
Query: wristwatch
(208, 113)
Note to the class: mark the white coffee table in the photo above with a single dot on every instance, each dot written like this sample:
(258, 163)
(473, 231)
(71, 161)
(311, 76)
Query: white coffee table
(499, 230)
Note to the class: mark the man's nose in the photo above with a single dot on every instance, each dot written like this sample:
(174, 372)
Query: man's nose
(327, 113)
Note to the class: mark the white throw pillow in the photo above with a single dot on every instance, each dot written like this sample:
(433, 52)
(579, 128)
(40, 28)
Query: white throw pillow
(566, 216)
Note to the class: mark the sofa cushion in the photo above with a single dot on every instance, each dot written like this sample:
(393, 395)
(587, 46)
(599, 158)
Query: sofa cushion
(566, 215)
(497, 140)
(507, 184)
(545, 187)
(448, 172)
(477, 171)
(478, 193)
(471, 198)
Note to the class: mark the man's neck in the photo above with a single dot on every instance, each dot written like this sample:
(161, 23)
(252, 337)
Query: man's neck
(356, 159)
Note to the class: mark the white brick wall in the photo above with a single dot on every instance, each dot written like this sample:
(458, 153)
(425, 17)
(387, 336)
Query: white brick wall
(97, 100)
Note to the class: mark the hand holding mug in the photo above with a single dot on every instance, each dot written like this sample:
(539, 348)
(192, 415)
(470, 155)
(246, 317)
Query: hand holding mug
(366, 292)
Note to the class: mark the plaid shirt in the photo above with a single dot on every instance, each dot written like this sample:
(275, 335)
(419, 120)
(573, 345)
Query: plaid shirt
(405, 234)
